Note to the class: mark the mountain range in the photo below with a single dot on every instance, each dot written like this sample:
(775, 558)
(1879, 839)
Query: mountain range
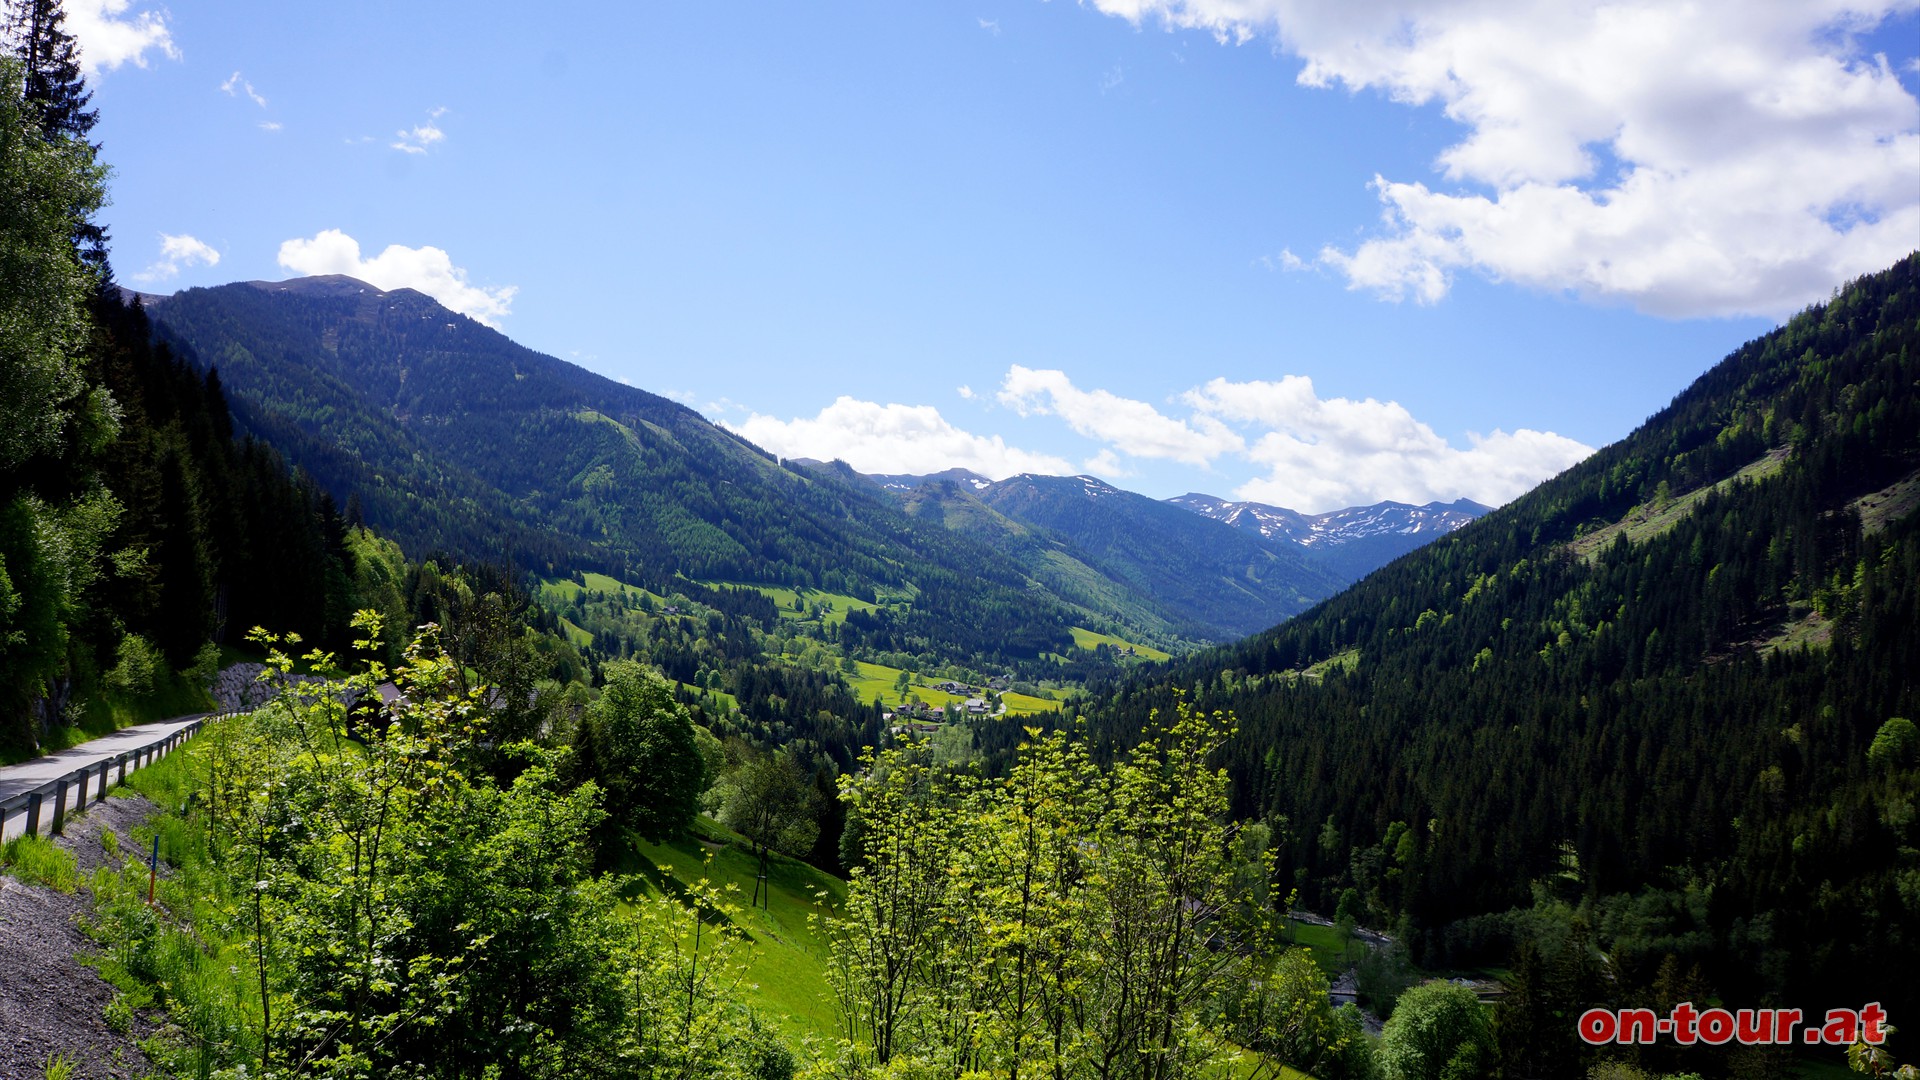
(1274, 562)
(448, 436)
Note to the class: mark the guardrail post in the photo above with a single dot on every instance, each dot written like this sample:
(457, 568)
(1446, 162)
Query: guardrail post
(101, 795)
(122, 759)
(3, 824)
(33, 814)
(59, 809)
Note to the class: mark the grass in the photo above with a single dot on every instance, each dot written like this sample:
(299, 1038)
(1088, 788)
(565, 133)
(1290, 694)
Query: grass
(1324, 944)
(1651, 519)
(1340, 661)
(1251, 1062)
(1808, 630)
(783, 599)
(37, 861)
(1889, 504)
(563, 590)
(786, 960)
(878, 680)
(1089, 640)
(721, 700)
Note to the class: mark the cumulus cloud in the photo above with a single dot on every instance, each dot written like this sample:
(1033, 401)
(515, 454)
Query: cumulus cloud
(875, 438)
(1326, 453)
(1134, 427)
(1715, 158)
(109, 36)
(426, 269)
(176, 253)
(1314, 454)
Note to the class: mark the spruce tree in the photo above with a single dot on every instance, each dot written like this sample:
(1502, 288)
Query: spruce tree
(50, 59)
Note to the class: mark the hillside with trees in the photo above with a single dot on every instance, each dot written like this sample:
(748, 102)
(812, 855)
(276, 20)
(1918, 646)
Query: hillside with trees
(599, 744)
(457, 439)
(1643, 721)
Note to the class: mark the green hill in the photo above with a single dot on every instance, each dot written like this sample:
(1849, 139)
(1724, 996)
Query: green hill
(452, 437)
(786, 956)
(1646, 691)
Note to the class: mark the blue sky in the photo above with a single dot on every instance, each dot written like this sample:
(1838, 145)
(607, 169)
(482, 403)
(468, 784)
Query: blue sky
(1267, 248)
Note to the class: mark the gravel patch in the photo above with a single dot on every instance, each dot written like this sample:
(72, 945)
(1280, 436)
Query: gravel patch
(50, 1003)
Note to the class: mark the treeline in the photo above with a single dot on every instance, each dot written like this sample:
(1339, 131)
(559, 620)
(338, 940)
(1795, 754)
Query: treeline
(1663, 736)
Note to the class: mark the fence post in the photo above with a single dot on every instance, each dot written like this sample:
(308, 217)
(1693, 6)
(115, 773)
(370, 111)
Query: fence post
(59, 808)
(101, 796)
(122, 759)
(33, 814)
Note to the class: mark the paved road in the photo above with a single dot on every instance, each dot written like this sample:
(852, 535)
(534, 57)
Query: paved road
(16, 779)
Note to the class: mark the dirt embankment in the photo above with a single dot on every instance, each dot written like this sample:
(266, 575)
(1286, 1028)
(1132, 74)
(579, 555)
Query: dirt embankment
(50, 1003)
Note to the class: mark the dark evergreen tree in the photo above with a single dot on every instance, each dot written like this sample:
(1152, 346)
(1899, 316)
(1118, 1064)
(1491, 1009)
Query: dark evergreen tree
(37, 35)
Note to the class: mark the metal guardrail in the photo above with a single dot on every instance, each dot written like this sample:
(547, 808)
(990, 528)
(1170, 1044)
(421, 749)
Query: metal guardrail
(54, 800)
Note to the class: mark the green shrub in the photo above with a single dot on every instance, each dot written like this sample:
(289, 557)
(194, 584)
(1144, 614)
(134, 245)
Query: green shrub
(139, 663)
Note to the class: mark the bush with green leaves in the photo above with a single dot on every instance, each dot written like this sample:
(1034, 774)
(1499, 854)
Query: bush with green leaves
(354, 893)
(1064, 920)
(1437, 1032)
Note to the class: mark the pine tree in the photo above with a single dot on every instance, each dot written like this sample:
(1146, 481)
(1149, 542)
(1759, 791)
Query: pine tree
(36, 34)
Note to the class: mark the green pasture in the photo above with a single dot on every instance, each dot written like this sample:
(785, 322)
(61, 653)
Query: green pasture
(1090, 640)
(786, 954)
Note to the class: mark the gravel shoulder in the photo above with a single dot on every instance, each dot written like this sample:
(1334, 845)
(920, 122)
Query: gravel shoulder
(51, 1003)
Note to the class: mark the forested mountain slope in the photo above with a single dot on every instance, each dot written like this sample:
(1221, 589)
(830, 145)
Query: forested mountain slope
(1225, 570)
(453, 437)
(1225, 580)
(1657, 689)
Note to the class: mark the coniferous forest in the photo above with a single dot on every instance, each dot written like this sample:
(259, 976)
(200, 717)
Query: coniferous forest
(1678, 734)
(599, 743)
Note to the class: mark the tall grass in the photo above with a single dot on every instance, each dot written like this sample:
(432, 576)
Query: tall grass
(37, 860)
(184, 953)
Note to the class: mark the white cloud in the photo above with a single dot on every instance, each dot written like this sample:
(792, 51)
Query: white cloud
(1326, 453)
(177, 252)
(109, 37)
(269, 125)
(966, 392)
(1712, 158)
(235, 85)
(875, 438)
(991, 26)
(1133, 427)
(1314, 454)
(426, 269)
(1286, 260)
(417, 139)
(1107, 464)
